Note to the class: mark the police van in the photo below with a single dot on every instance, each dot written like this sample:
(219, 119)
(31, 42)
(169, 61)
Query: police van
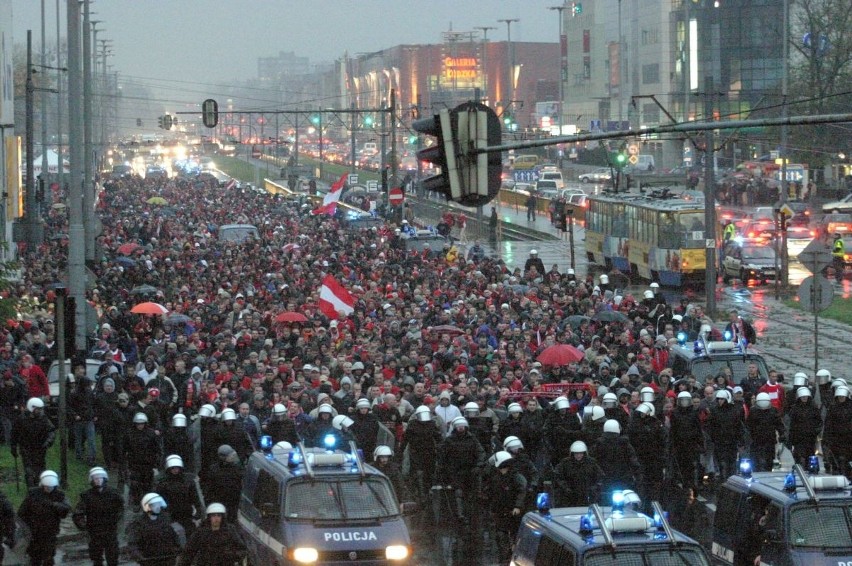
(598, 536)
(807, 517)
(706, 359)
(316, 506)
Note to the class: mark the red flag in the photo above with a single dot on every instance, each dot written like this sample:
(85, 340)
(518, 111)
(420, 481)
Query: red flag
(333, 194)
(335, 298)
(325, 209)
(231, 184)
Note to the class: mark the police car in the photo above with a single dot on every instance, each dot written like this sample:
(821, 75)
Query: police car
(749, 261)
(706, 359)
(320, 506)
(598, 536)
(806, 516)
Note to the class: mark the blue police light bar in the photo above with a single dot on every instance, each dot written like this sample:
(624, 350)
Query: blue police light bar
(728, 335)
(330, 441)
(617, 501)
(586, 525)
(745, 468)
(790, 482)
(266, 443)
(813, 464)
(295, 458)
(542, 503)
(681, 338)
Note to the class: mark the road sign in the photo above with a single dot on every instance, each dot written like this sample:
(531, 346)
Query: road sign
(633, 149)
(352, 179)
(633, 159)
(395, 196)
(372, 185)
(816, 256)
(816, 293)
(795, 173)
(786, 210)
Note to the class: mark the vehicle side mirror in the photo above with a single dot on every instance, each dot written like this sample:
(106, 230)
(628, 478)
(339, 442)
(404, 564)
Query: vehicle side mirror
(772, 535)
(409, 508)
(269, 510)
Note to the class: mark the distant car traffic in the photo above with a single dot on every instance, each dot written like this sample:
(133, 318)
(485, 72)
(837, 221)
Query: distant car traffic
(837, 206)
(600, 175)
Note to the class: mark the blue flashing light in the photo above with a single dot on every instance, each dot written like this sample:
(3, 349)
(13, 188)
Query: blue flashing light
(542, 503)
(586, 523)
(658, 521)
(617, 501)
(681, 338)
(697, 347)
(813, 464)
(790, 482)
(728, 335)
(330, 441)
(295, 458)
(745, 468)
(266, 443)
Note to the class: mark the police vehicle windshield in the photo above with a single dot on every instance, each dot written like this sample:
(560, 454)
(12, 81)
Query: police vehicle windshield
(648, 556)
(344, 499)
(823, 527)
(702, 368)
(758, 252)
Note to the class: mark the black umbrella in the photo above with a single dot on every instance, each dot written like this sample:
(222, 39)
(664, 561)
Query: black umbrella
(576, 320)
(144, 290)
(610, 316)
(177, 318)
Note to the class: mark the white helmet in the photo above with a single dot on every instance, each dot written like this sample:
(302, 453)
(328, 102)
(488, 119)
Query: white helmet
(723, 394)
(501, 458)
(174, 461)
(800, 379)
(153, 503)
(578, 446)
(533, 252)
(823, 376)
(341, 421)
(646, 394)
(48, 478)
(325, 409)
(382, 450)
(684, 399)
(140, 418)
(471, 409)
(610, 401)
(278, 409)
(363, 403)
(611, 425)
(838, 382)
(460, 421)
(179, 421)
(98, 472)
(207, 411)
(228, 415)
(216, 509)
(604, 279)
(512, 443)
(648, 294)
(631, 498)
(841, 391)
(35, 403)
(655, 285)
(561, 403)
(281, 448)
(762, 401)
(646, 409)
(597, 413)
(515, 408)
(803, 392)
(422, 413)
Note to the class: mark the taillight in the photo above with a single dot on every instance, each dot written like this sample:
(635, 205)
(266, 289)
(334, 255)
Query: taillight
(813, 233)
(751, 234)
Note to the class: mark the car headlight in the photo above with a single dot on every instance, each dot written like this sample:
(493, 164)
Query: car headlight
(305, 555)
(396, 552)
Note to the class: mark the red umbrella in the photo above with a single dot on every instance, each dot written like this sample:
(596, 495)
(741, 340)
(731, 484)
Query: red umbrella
(560, 355)
(149, 308)
(290, 247)
(446, 329)
(128, 248)
(291, 317)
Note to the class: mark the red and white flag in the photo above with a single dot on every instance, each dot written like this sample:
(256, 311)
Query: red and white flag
(329, 201)
(334, 298)
(231, 184)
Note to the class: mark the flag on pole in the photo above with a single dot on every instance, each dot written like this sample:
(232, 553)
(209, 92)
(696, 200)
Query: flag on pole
(329, 202)
(335, 298)
(231, 184)
(328, 209)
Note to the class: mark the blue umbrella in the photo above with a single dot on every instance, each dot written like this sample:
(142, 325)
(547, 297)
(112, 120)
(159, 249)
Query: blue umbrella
(124, 261)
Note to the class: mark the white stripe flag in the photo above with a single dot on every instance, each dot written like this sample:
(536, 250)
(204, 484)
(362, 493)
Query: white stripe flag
(329, 201)
(334, 298)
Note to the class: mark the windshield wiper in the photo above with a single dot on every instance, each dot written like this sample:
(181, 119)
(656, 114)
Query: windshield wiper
(378, 497)
(338, 499)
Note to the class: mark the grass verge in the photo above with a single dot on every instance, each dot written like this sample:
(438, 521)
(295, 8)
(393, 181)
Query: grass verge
(840, 310)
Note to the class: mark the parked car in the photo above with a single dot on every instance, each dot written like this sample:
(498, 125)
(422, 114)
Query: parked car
(599, 175)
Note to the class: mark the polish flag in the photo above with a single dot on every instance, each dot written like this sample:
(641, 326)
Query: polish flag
(335, 298)
(329, 202)
(231, 184)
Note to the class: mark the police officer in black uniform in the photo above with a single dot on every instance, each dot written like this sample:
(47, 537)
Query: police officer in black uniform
(34, 434)
(180, 492)
(42, 510)
(99, 512)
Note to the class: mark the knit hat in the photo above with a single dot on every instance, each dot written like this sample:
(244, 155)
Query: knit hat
(109, 381)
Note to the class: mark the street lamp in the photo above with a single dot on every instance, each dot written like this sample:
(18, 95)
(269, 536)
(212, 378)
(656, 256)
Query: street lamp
(563, 63)
(511, 57)
(484, 82)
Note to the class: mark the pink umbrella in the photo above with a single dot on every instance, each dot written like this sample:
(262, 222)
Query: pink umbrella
(149, 308)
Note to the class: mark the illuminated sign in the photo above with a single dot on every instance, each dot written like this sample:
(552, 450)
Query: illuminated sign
(461, 72)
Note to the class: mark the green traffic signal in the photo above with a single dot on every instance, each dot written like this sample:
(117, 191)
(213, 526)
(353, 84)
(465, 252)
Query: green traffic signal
(620, 158)
(368, 121)
(315, 120)
(578, 8)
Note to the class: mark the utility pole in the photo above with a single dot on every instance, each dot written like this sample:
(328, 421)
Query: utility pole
(76, 232)
(352, 134)
(510, 84)
(59, 70)
(31, 225)
(88, 176)
(563, 62)
(394, 161)
(620, 71)
(45, 166)
(785, 264)
(709, 200)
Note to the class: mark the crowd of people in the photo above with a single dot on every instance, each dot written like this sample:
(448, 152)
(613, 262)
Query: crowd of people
(438, 358)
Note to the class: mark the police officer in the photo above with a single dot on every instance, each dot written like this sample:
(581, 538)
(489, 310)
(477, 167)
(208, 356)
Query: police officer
(482, 428)
(366, 426)
(151, 539)
(176, 441)
(593, 423)
(765, 428)
(687, 440)
(422, 438)
(837, 435)
(512, 425)
(460, 462)
(561, 428)
(216, 542)
(577, 478)
(648, 438)
(838, 253)
(280, 427)
(142, 454)
(506, 491)
(208, 431)
(99, 512)
(534, 261)
(225, 480)
(320, 428)
(42, 510)
(383, 461)
(180, 492)
(232, 433)
(33, 433)
(523, 464)
(805, 426)
(725, 429)
(617, 459)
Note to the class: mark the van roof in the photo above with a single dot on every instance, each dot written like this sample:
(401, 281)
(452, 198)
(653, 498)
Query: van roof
(282, 465)
(771, 486)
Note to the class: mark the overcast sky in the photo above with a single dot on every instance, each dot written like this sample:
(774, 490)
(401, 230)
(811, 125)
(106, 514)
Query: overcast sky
(209, 41)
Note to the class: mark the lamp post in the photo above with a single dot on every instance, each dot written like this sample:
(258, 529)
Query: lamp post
(511, 58)
(620, 70)
(562, 66)
(484, 82)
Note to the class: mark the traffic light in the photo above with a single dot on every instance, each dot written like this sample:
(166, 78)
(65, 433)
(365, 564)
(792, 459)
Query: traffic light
(577, 8)
(210, 113)
(167, 121)
(138, 122)
(618, 159)
(467, 178)
(368, 121)
(315, 119)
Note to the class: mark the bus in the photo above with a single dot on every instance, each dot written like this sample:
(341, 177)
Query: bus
(657, 238)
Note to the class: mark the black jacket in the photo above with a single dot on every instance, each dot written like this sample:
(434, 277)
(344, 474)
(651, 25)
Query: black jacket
(763, 424)
(422, 439)
(838, 424)
(460, 460)
(32, 433)
(725, 427)
(234, 435)
(281, 429)
(180, 494)
(648, 439)
(366, 431)
(207, 547)
(805, 423)
(152, 541)
(685, 432)
(42, 511)
(102, 508)
(617, 459)
(505, 492)
(577, 483)
(81, 402)
(141, 448)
